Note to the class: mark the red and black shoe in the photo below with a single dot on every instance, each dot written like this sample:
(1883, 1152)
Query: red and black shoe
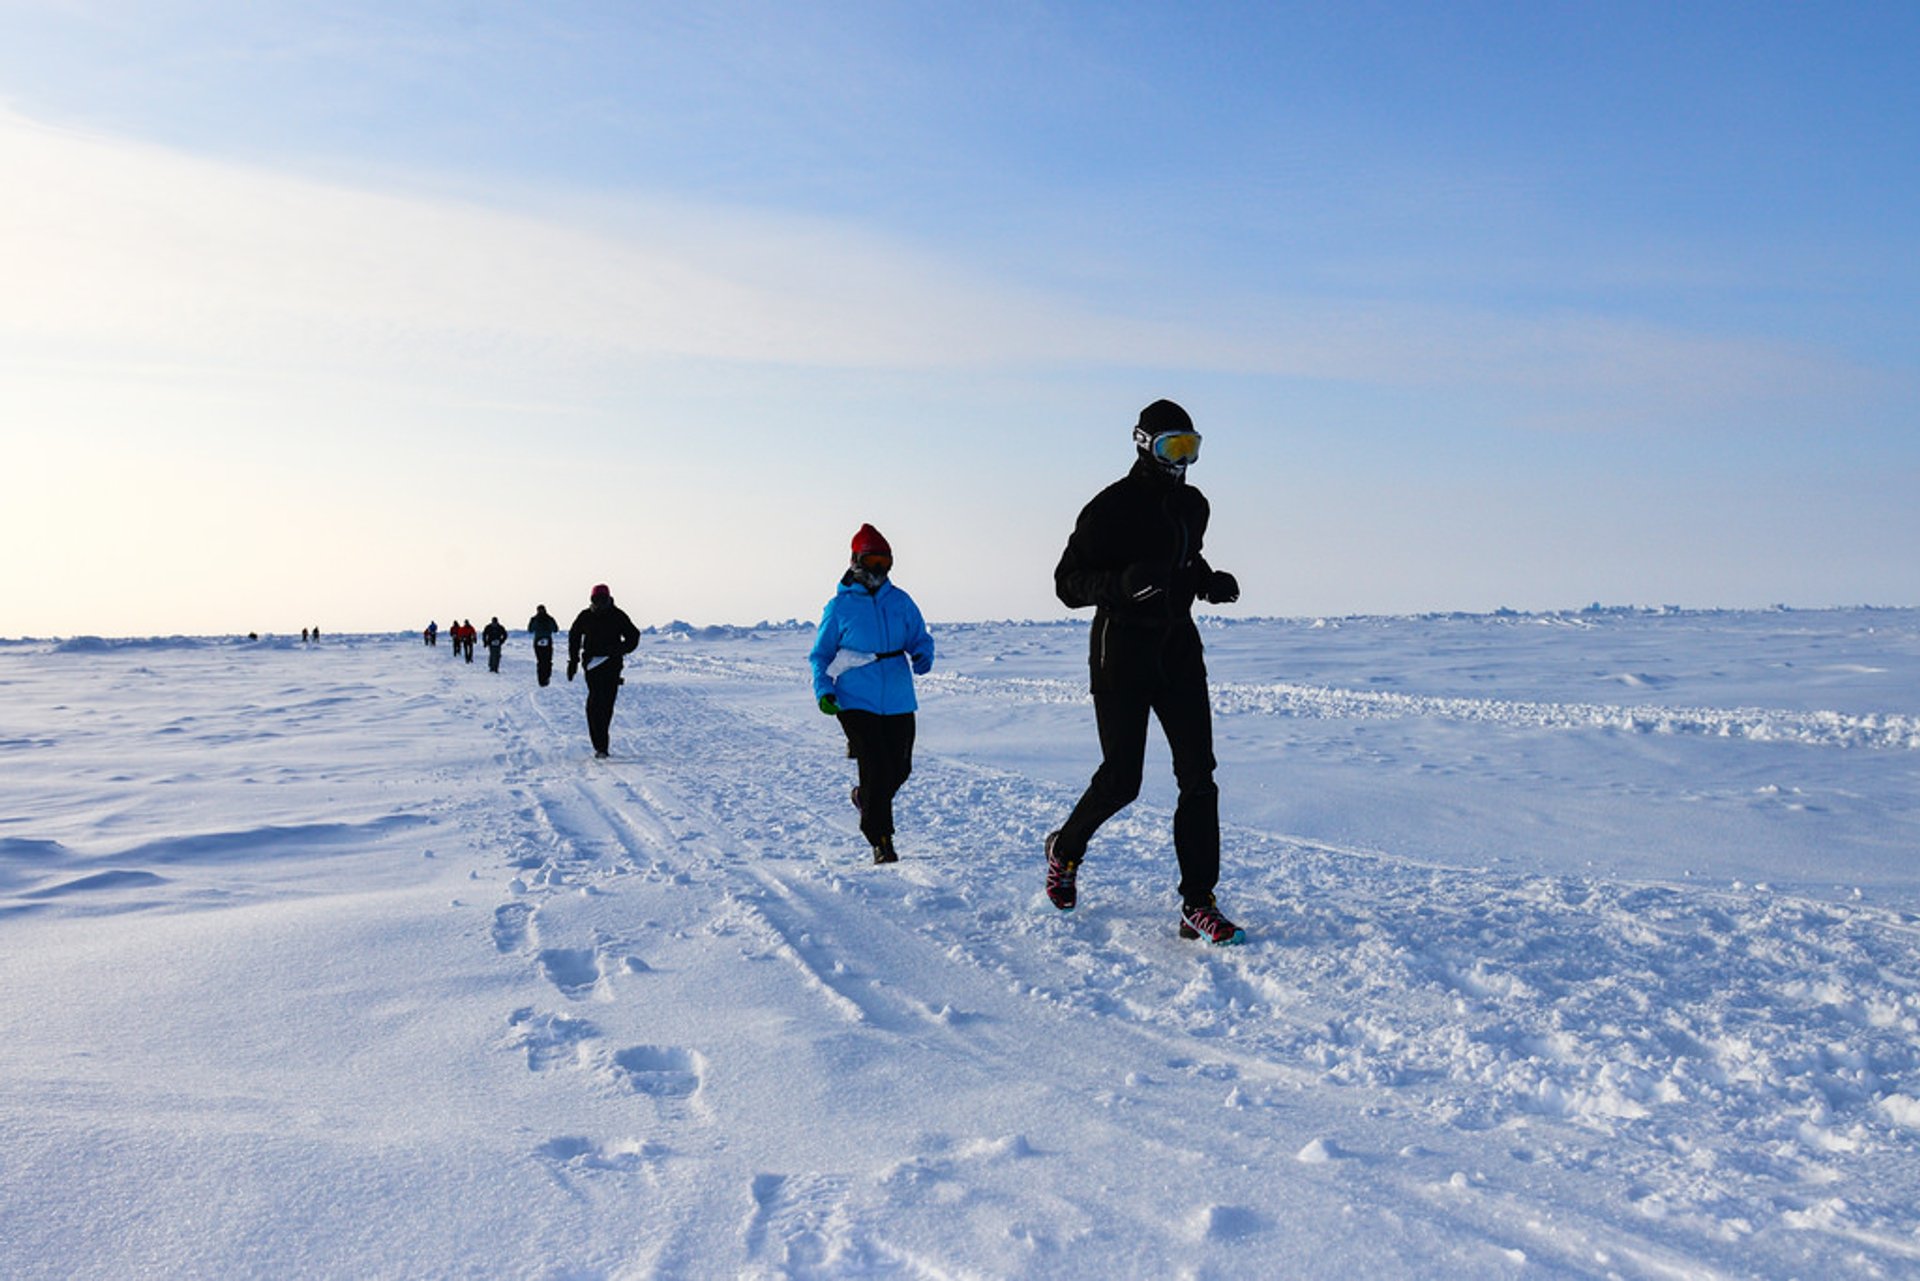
(1203, 921)
(1062, 873)
(856, 799)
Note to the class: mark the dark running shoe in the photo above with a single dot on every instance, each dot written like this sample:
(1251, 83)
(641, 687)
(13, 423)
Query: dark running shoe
(883, 852)
(856, 799)
(1062, 873)
(1203, 921)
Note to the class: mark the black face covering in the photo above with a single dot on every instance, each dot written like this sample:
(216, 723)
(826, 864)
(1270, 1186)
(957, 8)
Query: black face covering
(1174, 472)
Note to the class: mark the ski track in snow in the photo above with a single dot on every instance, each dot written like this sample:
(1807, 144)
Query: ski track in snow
(1594, 1034)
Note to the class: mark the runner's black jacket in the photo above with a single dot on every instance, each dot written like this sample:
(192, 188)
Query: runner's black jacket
(1134, 555)
(599, 633)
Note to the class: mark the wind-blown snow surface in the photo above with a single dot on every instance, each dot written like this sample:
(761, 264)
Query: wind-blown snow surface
(1580, 946)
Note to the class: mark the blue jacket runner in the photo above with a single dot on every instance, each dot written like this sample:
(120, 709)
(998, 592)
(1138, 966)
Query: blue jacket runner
(884, 622)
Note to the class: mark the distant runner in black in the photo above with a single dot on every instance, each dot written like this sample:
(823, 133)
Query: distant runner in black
(1134, 555)
(493, 636)
(600, 639)
(542, 627)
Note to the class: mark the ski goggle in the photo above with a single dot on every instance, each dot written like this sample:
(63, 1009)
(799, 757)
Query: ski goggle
(1175, 448)
(874, 562)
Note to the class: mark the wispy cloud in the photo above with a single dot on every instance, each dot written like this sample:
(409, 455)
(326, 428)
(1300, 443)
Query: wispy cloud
(118, 243)
(114, 245)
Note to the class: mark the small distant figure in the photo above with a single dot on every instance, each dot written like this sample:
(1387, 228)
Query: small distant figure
(868, 629)
(494, 637)
(432, 633)
(316, 633)
(303, 636)
(467, 637)
(542, 627)
(601, 637)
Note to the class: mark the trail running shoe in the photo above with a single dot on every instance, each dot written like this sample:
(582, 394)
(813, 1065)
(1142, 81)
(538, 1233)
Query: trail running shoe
(1203, 921)
(856, 799)
(883, 851)
(1061, 875)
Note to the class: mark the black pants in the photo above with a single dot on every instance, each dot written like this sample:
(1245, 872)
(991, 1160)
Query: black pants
(543, 661)
(1180, 703)
(883, 747)
(493, 658)
(603, 687)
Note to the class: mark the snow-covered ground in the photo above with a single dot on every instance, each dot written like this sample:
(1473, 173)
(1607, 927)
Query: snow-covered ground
(1581, 945)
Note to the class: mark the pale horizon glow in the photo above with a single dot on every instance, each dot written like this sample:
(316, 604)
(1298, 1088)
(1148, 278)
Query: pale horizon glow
(359, 321)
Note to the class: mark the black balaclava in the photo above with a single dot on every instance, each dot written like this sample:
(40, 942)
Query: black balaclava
(1160, 417)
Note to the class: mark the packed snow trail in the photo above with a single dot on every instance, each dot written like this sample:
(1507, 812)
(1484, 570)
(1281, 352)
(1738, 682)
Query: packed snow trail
(1405, 1053)
(821, 1009)
(352, 960)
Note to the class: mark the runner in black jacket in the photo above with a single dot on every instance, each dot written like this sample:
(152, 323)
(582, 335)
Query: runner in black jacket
(493, 636)
(601, 637)
(541, 627)
(1135, 557)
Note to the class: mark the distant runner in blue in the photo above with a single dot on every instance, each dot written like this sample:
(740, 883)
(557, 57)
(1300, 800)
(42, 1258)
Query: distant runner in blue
(872, 642)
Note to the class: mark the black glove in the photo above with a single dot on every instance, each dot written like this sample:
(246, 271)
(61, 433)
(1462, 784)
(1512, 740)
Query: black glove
(1144, 579)
(1221, 588)
(573, 665)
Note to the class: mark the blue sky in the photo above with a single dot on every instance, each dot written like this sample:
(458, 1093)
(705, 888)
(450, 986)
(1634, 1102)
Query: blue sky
(328, 314)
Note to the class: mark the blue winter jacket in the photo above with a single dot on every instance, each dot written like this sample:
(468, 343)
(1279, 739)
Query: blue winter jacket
(872, 622)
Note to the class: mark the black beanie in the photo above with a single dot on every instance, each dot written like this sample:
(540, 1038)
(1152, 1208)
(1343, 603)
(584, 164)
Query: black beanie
(1164, 416)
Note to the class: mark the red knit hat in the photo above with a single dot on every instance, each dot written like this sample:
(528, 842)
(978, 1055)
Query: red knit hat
(870, 540)
(599, 590)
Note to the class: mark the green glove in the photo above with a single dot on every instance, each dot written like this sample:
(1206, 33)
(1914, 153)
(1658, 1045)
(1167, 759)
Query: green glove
(829, 705)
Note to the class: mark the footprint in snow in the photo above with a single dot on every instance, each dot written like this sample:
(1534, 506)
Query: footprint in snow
(1227, 1223)
(574, 970)
(622, 1155)
(550, 1040)
(799, 1224)
(660, 1071)
(510, 927)
(579, 972)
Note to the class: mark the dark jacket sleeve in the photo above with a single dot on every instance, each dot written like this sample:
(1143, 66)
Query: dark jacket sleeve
(629, 634)
(1136, 534)
(1081, 578)
(1196, 576)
